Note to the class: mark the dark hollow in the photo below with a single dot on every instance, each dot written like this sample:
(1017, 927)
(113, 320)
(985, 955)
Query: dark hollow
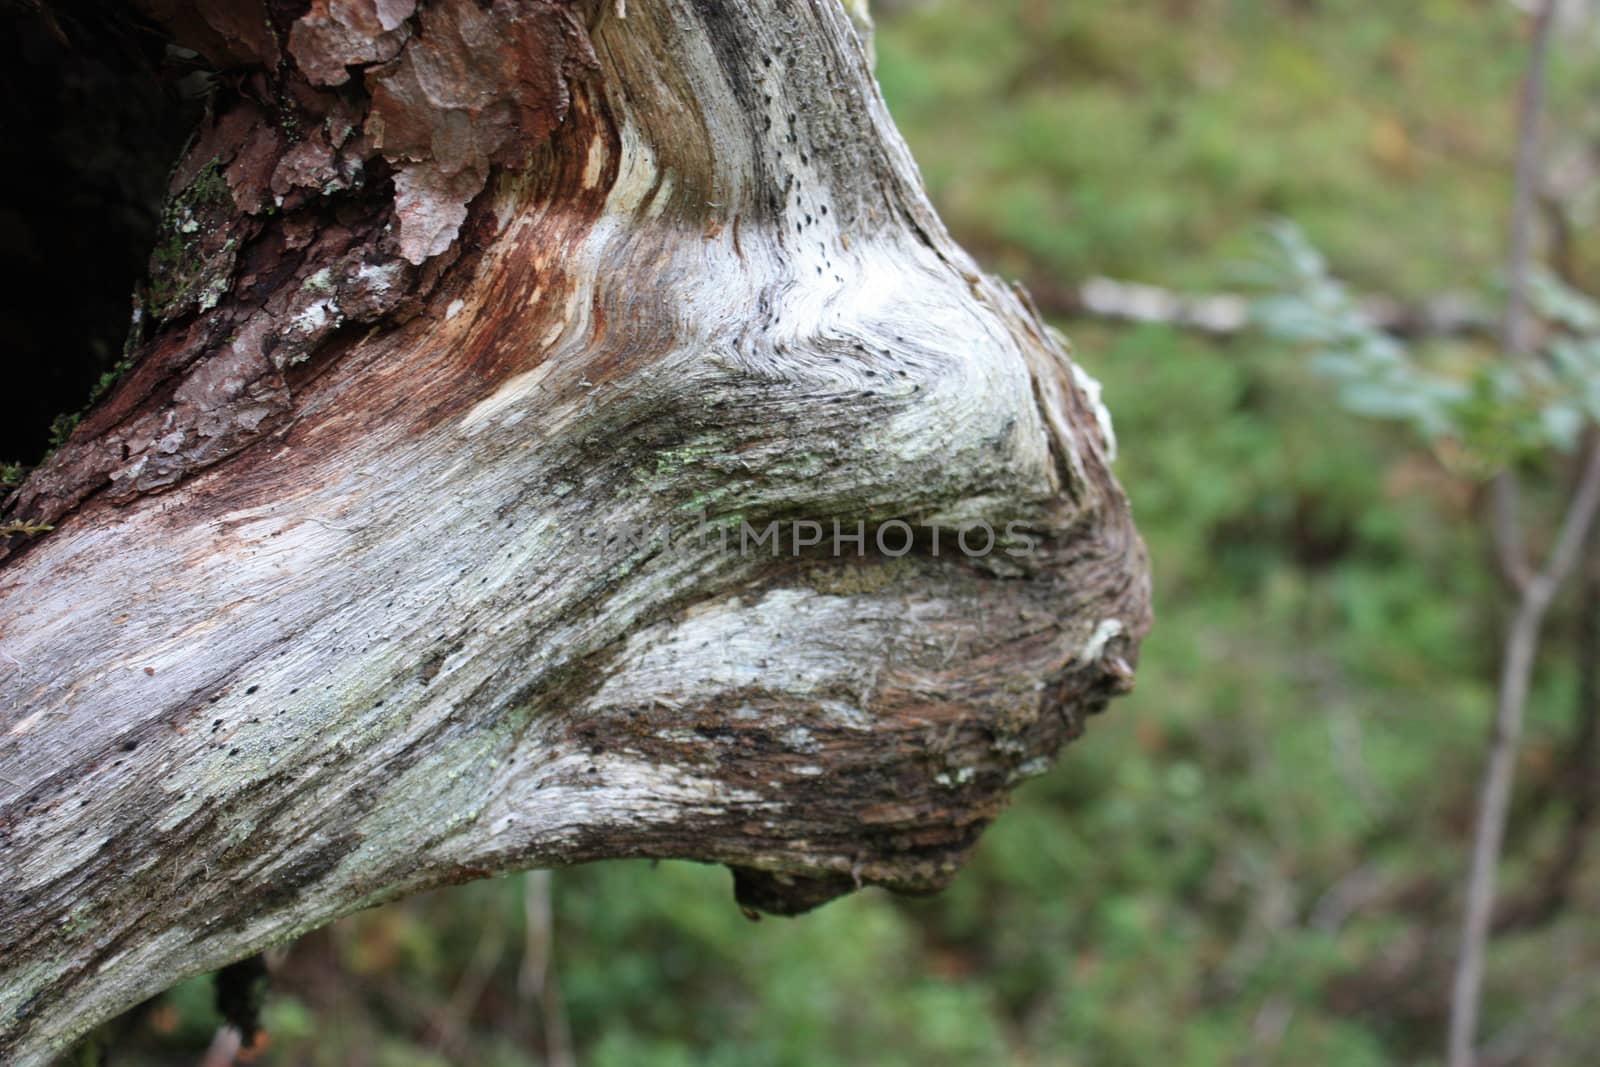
(95, 112)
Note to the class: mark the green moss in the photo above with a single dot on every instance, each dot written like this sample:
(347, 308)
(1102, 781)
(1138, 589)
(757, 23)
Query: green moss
(103, 384)
(209, 187)
(24, 529)
(190, 267)
(62, 428)
(165, 261)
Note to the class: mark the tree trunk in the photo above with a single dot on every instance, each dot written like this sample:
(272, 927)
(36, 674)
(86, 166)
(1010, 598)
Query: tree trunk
(482, 342)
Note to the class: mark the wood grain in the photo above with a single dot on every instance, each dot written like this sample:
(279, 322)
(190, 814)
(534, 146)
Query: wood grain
(358, 583)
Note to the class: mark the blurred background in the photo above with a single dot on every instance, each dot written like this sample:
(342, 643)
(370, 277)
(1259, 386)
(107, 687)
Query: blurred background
(1257, 858)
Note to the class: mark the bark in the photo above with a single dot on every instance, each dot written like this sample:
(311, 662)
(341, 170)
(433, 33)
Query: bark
(344, 597)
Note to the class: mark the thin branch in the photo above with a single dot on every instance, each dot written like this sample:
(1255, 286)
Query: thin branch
(1522, 644)
(1224, 314)
(451, 1022)
(1522, 641)
(1517, 326)
(1510, 549)
(1517, 333)
(1578, 779)
(538, 925)
(1575, 527)
(1489, 833)
(537, 984)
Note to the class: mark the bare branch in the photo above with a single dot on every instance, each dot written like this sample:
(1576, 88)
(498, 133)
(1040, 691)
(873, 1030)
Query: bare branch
(1523, 638)
(1225, 314)
(345, 598)
(1516, 337)
(1575, 526)
(1510, 550)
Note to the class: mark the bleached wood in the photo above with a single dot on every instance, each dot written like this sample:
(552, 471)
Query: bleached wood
(377, 647)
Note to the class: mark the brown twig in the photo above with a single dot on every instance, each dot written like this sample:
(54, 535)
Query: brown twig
(1521, 649)
(451, 1022)
(1505, 526)
(1534, 591)
(1224, 314)
(1578, 780)
(536, 980)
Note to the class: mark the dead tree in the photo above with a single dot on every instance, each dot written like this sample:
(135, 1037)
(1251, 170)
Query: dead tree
(554, 431)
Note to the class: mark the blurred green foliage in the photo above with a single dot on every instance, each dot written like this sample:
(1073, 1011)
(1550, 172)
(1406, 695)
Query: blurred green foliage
(1491, 411)
(1253, 859)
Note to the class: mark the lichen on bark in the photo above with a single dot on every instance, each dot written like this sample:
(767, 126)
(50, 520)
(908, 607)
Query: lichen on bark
(338, 606)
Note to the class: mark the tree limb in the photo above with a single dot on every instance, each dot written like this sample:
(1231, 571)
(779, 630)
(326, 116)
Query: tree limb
(1534, 594)
(357, 586)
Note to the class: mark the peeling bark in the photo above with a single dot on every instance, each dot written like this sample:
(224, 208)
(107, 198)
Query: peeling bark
(346, 596)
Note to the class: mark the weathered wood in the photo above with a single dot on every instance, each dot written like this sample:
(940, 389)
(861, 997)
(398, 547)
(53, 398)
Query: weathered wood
(346, 596)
